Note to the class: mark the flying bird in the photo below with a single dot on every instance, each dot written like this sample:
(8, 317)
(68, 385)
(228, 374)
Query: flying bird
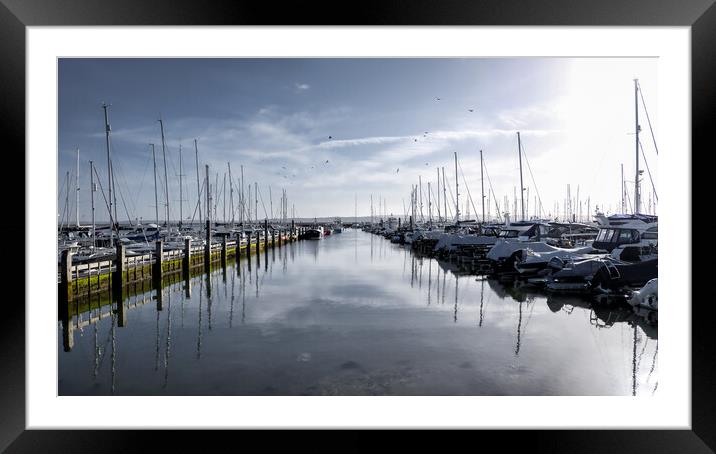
(437, 99)
(415, 140)
(330, 137)
(326, 161)
(426, 163)
(398, 170)
(470, 110)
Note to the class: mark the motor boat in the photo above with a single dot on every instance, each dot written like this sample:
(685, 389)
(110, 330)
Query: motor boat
(625, 232)
(600, 274)
(530, 263)
(315, 233)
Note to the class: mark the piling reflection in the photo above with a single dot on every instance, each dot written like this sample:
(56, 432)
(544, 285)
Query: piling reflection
(355, 310)
(482, 301)
(198, 337)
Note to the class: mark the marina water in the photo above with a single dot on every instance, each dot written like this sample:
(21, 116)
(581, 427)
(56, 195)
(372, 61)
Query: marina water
(353, 314)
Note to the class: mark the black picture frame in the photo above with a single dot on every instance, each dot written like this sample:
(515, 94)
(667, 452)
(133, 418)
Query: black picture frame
(16, 15)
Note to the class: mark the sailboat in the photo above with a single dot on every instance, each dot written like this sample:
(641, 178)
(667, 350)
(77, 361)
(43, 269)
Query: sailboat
(631, 241)
(634, 236)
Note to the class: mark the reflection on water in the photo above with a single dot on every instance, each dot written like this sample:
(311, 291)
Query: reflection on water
(353, 314)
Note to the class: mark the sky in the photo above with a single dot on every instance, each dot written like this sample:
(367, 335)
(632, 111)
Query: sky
(330, 131)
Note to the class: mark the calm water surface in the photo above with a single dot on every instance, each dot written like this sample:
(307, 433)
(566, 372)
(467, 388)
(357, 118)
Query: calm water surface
(354, 314)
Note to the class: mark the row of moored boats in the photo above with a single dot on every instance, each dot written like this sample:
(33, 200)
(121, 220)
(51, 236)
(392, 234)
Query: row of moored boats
(616, 255)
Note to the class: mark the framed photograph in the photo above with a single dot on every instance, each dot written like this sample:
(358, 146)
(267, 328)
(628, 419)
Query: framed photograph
(411, 218)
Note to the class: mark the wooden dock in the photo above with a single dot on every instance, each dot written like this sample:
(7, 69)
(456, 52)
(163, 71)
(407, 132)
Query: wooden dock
(117, 273)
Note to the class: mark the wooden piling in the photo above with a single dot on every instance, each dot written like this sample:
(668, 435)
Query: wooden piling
(119, 266)
(187, 256)
(158, 257)
(266, 234)
(223, 251)
(248, 247)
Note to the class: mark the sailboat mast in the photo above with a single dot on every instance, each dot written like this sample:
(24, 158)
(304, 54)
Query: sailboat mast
(482, 183)
(208, 198)
(67, 199)
(457, 204)
(420, 182)
(623, 191)
(437, 190)
(94, 236)
(181, 195)
(166, 179)
(215, 199)
(636, 135)
(223, 189)
(198, 188)
(231, 195)
(430, 206)
(410, 210)
(223, 196)
(578, 206)
(109, 171)
(242, 199)
(77, 184)
(248, 206)
(156, 197)
(444, 195)
(522, 187)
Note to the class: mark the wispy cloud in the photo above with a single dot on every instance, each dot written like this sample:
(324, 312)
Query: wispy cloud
(342, 143)
(432, 137)
(301, 87)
